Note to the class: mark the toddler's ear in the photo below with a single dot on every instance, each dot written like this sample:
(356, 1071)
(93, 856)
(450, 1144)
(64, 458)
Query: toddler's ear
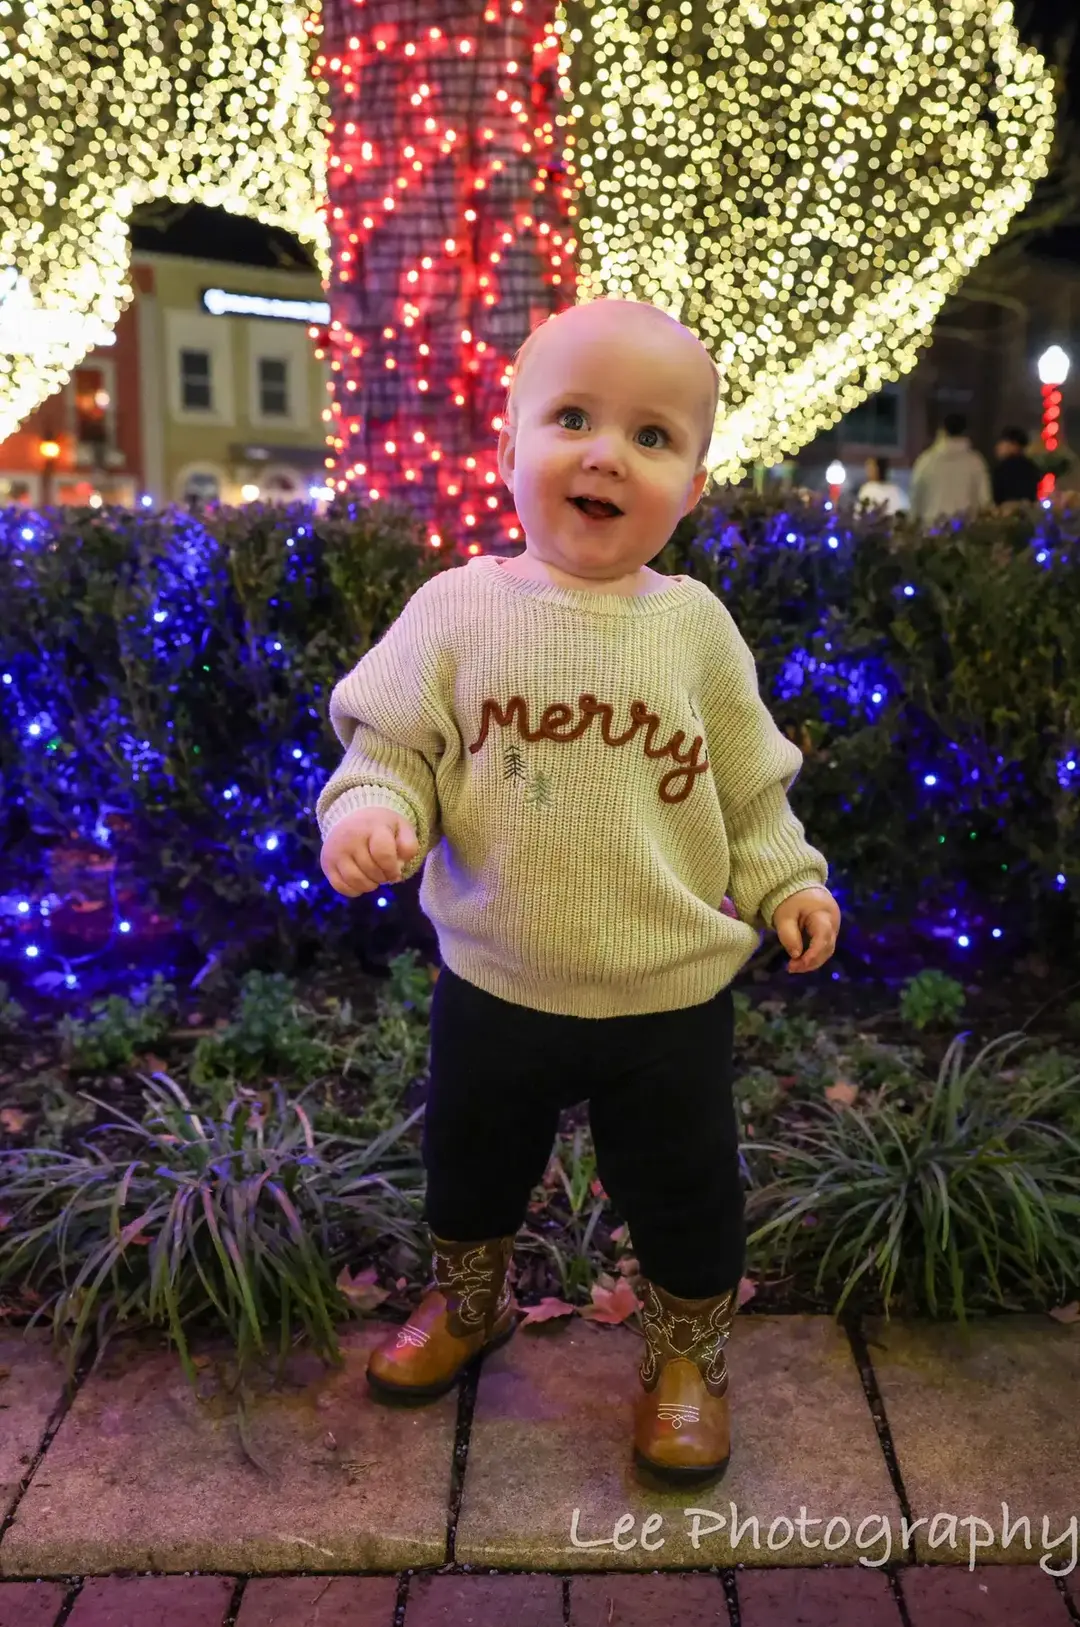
(696, 490)
(506, 458)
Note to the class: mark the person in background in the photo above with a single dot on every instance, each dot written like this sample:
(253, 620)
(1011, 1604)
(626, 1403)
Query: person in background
(950, 477)
(878, 491)
(1015, 476)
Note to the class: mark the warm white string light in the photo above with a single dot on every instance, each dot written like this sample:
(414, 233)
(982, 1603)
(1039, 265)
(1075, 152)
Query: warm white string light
(803, 184)
(108, 104)
(804, 188)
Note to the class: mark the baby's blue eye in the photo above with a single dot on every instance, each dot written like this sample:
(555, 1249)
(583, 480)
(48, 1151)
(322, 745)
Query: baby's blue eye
(653, 429)
(572, 412)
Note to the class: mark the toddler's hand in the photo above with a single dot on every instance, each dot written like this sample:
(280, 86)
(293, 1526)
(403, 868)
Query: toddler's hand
(816, 909)
(366, 849)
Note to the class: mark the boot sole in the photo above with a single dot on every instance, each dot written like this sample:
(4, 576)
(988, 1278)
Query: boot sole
(678, 1476)
(416, 1393)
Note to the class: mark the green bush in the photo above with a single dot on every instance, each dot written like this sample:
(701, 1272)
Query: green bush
(392, 1050)
(177, 671)
(119, 1029)
(275, 1037)
(931, 998)
(236, 1224)
(965, 1198)
(272, 1037)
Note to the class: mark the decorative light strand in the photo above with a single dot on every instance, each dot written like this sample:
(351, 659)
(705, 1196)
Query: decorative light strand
(803, 185)
(107, 104)
(453, 235)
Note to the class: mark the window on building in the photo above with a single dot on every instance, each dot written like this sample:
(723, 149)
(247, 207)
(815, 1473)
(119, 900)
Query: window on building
(91, 408)
(195, 378)
(201, 486)
(875, 422)
(273, 387)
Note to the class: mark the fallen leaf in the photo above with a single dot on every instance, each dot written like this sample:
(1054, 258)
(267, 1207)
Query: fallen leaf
(842, 1093)
(546, 1309)
(747, 1290)
(363, 1290)
(611, 1305)
(13, 1120)
(1067, 1313)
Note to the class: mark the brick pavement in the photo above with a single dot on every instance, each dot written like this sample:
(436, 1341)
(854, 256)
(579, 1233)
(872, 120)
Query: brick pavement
(153, 1601)
(820, 1596)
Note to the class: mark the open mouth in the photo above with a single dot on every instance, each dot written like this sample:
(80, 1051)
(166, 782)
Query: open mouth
(595, 508)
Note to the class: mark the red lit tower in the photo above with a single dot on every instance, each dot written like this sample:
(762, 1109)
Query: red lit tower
(451, 211)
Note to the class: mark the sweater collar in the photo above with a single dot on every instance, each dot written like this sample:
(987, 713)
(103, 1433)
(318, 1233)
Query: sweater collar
(603, 604)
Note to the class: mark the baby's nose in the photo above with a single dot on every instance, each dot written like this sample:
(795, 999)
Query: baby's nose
(604, 452)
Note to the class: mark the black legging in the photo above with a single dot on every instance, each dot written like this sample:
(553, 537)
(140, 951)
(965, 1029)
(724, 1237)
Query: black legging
(660, 1107)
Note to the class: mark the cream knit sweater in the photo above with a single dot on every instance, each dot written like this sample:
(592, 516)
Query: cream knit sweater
(588, 775)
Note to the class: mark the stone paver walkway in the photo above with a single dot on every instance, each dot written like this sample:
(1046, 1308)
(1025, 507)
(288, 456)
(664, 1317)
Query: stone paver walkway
(932, 1596)
(867, 1487)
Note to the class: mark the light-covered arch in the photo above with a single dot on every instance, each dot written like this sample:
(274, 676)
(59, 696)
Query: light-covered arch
(114, 103)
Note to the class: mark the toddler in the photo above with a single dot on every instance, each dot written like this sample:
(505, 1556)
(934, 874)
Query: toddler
(576, 746)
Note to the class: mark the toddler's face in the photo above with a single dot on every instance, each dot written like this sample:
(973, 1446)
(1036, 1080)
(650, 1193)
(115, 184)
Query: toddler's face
(604, 457)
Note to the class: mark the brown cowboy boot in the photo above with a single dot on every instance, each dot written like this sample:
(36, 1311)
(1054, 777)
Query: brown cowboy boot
(682, 1427)
(469, 1309)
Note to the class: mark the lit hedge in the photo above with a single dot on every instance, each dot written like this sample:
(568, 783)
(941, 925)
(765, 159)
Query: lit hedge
(164, 683)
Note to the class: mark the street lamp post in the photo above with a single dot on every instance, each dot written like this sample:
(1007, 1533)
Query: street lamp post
(49, 451)
(1053, 371)
(835, 476)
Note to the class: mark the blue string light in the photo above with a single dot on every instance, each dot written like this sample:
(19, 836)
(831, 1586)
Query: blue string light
(845, 681)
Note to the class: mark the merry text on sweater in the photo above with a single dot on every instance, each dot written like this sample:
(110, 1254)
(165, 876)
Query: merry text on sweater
(557, 716)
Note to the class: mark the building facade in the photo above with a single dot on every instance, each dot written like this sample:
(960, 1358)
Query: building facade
(211, 391)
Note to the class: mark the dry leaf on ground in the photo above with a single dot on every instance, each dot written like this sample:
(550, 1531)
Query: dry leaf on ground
(747, 1290)
(13, 1120)
(1067, 1313)
(842, 1093)
(546, 1310)
(611, 1304)
(362, 1291)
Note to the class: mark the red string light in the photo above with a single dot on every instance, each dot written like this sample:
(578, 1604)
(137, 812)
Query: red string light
(452, 217)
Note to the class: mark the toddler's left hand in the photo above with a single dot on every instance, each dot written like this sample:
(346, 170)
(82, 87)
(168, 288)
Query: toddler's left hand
(816, 910)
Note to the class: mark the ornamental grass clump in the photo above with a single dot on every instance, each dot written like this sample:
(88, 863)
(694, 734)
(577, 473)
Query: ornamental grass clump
(967, 1199)
(236, 1224)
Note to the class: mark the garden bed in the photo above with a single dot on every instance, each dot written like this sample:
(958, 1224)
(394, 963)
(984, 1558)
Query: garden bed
(812, 1058)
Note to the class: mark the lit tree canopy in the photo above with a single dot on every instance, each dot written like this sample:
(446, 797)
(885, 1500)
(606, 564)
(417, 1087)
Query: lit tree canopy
(111, 103)
(802, 184)
(804, 187)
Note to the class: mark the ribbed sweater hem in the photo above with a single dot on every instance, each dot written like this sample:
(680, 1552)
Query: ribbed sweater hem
(672, 990)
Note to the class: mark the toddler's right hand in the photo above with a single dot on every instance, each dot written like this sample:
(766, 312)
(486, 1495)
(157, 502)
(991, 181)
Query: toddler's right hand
(366, 849)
